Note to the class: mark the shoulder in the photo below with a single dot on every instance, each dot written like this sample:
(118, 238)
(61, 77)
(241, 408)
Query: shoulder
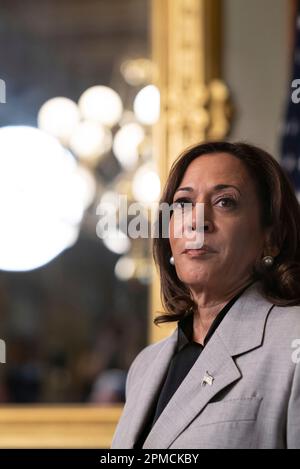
(285, 318)
(147, 354)
(282, 332)
(145, 357)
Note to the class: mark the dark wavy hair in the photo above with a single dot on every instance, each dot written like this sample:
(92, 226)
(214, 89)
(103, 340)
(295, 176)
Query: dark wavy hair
(279, 210)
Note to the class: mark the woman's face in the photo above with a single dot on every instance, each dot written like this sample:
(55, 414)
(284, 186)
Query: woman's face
(234, 234)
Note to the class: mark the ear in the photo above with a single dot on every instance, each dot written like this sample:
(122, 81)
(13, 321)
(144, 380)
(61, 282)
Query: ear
(270, 249)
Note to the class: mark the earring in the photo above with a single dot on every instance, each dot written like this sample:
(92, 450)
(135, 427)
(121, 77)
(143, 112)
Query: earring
(172, 260)
(268, 261)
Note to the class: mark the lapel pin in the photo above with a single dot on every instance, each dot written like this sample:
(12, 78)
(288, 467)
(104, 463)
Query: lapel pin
(207, 379)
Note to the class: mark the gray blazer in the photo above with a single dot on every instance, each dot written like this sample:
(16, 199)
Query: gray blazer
(242, 392)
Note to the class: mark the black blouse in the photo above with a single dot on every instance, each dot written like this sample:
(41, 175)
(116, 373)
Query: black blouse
(186, 353)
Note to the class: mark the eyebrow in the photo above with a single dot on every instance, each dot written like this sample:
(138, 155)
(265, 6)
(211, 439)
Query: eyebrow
(216, 188)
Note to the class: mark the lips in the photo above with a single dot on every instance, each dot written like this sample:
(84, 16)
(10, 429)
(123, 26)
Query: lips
(203, 249)
(193, 253)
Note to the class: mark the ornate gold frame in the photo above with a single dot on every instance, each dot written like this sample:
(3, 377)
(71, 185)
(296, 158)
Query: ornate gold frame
(186, 50)
(186, 54)
(58, 426)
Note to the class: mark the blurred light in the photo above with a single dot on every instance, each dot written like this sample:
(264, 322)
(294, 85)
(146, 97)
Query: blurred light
(125, 144)
(146, 105)
(136, 72)
(89, 186)
(111, 201)
(101, 104)
(143, 271)
(146, 184)
(117, 241)
(59, 116)
(89, 141)
(123, 185)
(41, 198)
(128, 117)
(124, 268)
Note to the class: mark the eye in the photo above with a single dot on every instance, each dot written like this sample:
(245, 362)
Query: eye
(227, 202)
(182, 204)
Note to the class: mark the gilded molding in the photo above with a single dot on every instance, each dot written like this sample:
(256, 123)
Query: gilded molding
(186, 51)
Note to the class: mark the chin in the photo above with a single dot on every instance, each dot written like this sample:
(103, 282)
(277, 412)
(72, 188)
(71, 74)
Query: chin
(195, 279)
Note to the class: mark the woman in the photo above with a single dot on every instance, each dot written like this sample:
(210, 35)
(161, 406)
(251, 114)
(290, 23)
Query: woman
(228, 376)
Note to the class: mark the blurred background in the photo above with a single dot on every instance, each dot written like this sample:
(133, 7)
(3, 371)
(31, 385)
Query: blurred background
(74, 132)
(84, 97)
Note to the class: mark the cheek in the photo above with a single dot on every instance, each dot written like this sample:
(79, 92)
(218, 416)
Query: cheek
(174, 241)
(243, 239)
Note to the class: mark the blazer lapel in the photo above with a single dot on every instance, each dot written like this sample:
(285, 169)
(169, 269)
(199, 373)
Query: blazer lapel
(240, 331)
(192, 396)
(144, 392)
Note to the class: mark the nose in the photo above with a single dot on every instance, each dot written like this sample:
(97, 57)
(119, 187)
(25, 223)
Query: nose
(205, 225)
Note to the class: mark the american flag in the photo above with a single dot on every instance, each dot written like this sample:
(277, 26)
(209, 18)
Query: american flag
(290, 137)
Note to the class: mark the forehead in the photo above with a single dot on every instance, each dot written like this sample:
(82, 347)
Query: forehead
(216, 168)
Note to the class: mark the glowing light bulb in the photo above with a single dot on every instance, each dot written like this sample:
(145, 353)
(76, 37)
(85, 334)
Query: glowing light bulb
(101, 104)
(41, 198)
(146, 105)
(58, 117)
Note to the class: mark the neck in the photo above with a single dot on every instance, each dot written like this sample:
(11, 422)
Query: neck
(209, 306)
